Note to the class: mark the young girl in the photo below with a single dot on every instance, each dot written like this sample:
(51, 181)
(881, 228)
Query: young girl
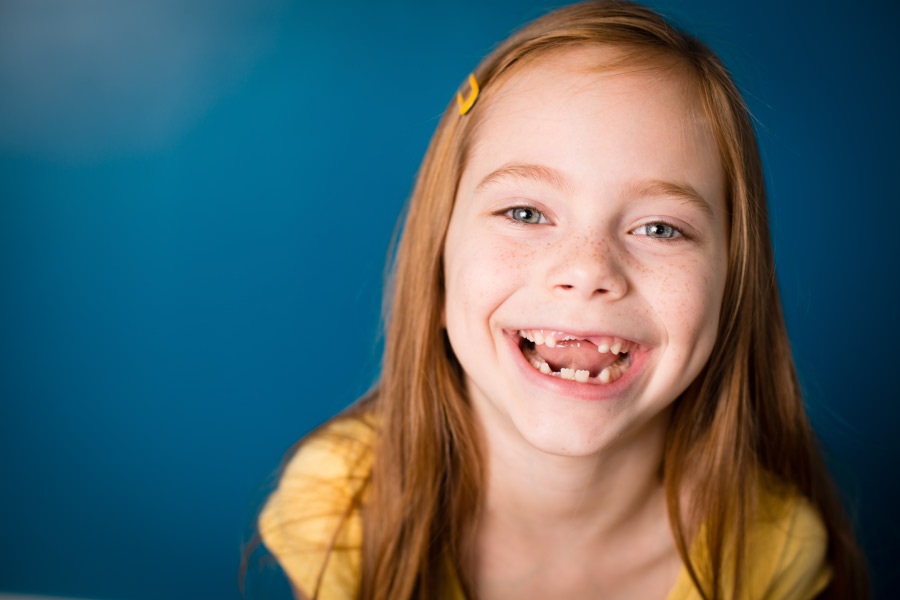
(587, 389)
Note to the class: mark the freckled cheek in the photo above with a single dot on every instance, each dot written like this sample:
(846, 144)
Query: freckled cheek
(687, 297)
(484, 275)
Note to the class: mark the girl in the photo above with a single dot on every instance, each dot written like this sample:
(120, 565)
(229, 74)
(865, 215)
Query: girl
(587, 389)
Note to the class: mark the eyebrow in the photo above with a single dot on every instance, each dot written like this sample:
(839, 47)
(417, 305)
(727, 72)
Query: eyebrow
(683, 191)
(527, 172)
(646, 187)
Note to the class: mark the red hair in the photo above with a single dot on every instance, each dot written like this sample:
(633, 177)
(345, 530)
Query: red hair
(740, 421)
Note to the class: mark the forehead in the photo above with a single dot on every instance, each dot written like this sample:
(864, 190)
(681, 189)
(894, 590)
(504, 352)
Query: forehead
(595, 110)
(598, 69)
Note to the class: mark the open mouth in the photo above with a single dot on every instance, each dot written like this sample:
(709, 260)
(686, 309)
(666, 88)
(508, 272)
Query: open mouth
(597, 360)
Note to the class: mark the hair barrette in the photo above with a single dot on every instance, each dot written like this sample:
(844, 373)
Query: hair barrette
(465, 104)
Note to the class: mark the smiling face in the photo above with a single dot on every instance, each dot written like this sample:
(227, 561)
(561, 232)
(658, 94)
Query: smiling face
(585, 260)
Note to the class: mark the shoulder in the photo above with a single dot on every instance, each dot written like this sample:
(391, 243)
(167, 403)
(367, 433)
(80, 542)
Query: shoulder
(311, 522)
(785, 551)
(787, 546)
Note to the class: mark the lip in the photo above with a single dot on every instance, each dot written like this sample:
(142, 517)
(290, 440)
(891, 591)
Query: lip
(573, 389)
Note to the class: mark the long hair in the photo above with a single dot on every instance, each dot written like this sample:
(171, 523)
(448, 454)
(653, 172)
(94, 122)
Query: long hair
(740, 420)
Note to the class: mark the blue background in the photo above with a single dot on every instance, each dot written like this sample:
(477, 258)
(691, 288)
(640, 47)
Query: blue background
(197, 199)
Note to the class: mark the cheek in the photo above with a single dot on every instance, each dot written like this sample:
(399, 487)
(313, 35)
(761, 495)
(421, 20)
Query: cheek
(479, 275)
(687, 296)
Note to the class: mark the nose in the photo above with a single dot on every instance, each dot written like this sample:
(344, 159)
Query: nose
(588, 267)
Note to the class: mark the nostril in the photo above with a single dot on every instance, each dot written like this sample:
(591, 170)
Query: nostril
(568, 286)
(590, 279)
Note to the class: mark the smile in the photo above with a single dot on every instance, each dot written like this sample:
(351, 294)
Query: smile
(594, 360)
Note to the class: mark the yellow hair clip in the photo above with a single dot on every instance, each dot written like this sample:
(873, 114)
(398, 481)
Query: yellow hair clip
(465, 104)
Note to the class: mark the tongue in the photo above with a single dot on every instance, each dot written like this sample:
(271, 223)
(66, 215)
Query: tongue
(576, 354)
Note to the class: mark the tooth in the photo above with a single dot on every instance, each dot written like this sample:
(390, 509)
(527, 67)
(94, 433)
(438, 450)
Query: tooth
(545, 368)
(604, 375)
(616, 348)
(582, 375)
(550, 340)
(567, 373)
(603, 348)
(617, 372)
(536, 363)
(538, 337)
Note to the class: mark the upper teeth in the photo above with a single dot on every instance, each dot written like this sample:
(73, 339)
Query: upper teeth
(552, 338)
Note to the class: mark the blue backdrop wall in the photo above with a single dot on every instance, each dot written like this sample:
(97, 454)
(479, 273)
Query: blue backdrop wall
(196, 200)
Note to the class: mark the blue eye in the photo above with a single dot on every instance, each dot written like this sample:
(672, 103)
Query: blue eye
(662, 231)
(526, 214)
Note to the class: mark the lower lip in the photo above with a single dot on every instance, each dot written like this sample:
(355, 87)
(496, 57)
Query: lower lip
(575, 389)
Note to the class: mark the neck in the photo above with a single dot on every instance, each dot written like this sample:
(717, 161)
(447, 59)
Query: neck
(590, 525)
(545, 494)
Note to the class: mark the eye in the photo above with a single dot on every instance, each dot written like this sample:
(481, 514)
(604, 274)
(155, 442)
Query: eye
(662, 231)
(527, 215)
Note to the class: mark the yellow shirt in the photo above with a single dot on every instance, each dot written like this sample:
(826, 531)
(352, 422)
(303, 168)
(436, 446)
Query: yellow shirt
(786, 548)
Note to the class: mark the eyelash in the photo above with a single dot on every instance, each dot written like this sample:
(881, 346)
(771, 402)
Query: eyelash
(676, 232)
(509, 213)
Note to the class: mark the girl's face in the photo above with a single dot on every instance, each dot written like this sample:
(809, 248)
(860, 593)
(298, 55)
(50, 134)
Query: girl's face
(589, 220)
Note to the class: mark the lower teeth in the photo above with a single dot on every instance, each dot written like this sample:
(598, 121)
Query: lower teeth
(607, 375)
